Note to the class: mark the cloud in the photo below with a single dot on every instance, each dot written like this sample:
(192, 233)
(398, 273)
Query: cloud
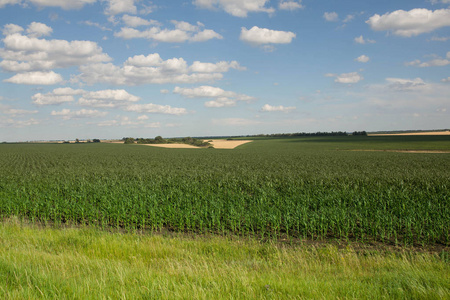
(67, 114)
(18, 123)
(440, 38)
(115, 7)
(13, 112)
(57, 96)
(437, 62)
(439, 1)
(36, 29)
(183, 32)
(401, 84)
(9, 29)
(348, 78)
(260, 36)
(66, 5)
(362, 59)
(25, 54)
(156, 109)
(101, 98)
(446, 79)
(360, 40)
(107, 98)
(410, 23)
(50, 99)
(280, 108)
(290, 5)
(237, 8)
(38, 78)
(220, 67)
(221, 97)
(406, 96)
(3, 3)
(133, 21)
(94, 24)
(331, 16)
(348, 18)
(152, 68)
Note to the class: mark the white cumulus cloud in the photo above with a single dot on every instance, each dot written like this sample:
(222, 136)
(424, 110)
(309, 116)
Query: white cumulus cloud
(331, 16)
(36, 29)
(115, 7)
(220, 67)
(107, 98)
(237, 8)
(133, 21)
(9, 29)
(66, 4)
(410, 23)
(360, 40)
(437, 62)
(36, 78)
(3, 3)
(402, 84)
(152, 68)
(261, 36)
(183, 32)
(221, 98)
(24, 54)
(280, 108)
(156, 109)
(290, 5)
(347, 78)
(67, 114)
(362, 59)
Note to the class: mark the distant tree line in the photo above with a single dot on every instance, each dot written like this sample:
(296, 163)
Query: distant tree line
(333, 133)
(77, 141)
(359, 133)
(160, 140)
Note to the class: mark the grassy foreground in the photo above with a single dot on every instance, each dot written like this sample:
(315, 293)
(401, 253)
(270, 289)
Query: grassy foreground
(89, 263)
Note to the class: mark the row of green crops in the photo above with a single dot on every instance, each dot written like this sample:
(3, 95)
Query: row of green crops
(299, 187)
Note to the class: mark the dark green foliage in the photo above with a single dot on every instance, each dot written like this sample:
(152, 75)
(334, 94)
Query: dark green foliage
(185, 140)
(128, 140)
(359, 133)
(303, 187)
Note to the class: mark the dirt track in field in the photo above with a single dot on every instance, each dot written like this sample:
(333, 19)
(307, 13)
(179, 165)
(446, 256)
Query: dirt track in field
(217, 144)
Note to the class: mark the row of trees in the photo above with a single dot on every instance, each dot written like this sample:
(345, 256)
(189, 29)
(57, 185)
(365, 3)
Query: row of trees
(359, 133)
(333, 133)
(160, 140)
(77, 141)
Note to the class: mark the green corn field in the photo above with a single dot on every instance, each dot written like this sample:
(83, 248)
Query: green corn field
(307, 187)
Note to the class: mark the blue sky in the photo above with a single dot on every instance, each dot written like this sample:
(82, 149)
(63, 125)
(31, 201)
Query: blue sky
(114, 68)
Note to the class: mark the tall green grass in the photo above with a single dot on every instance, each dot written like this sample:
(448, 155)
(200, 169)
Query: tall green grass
(44, 263)
(296, 187)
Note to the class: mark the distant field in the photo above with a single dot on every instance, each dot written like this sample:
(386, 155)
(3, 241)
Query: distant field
(447, 132)
(301, 188)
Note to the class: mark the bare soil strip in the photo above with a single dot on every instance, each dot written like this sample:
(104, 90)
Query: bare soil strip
(217, 144)
(404, 151)
(224, 144)
(178, 146)
(413, 133)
